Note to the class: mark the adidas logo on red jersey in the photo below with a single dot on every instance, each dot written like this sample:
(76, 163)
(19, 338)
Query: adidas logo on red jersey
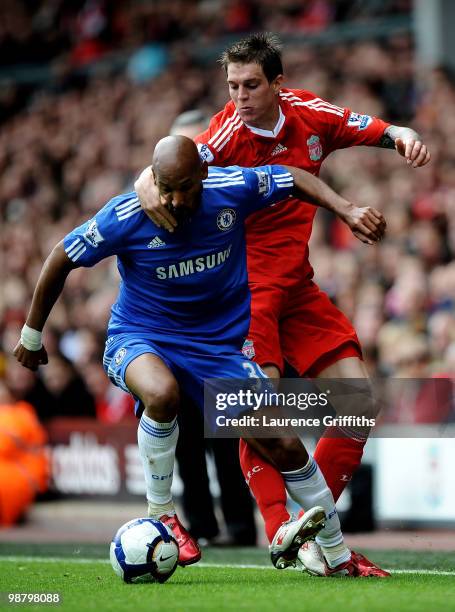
(279, 149)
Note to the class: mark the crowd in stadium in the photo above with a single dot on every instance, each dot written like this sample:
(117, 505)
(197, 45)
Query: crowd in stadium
(39, 30)
(68, 148)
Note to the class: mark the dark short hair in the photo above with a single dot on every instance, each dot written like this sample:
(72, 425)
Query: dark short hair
(262, 48)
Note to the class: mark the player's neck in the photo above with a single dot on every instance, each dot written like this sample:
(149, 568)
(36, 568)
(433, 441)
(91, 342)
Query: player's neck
(270, 125)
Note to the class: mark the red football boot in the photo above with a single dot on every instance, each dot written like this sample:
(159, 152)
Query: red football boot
(189, 551)
(358, 566)
(365, 567)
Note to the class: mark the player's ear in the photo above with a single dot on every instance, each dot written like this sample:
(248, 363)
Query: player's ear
(204, 171)
(277, 83)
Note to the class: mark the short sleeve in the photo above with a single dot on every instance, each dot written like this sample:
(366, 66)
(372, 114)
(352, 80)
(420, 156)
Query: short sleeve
(354, 129)
(101, 236)
(210, 142)
(339, 127)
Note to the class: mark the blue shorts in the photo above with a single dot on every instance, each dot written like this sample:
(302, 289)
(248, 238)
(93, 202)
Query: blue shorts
(190, 362)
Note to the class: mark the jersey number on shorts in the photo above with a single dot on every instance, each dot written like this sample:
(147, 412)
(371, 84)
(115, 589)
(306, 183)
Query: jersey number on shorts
(254, 370)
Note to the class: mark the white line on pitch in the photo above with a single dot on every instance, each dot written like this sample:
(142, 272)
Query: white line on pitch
(203, 565)
(266, 567)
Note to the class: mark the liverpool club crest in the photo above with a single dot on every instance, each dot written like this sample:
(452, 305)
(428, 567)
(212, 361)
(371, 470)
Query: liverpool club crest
(314, 147)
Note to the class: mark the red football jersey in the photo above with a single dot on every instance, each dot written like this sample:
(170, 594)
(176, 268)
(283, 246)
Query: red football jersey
(308, 129)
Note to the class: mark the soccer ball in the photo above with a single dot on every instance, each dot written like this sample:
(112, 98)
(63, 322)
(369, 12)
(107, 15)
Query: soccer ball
(144, 550)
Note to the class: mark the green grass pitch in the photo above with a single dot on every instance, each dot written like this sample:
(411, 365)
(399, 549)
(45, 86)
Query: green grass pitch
(226, 579)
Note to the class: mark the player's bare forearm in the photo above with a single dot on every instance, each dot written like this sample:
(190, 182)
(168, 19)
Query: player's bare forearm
(366, 223)
(407, 143)
(49, 286)
(311, 189)
(29, 350)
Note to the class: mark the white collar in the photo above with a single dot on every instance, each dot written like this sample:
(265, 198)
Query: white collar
(269, 133)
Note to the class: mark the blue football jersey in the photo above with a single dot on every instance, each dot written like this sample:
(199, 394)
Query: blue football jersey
(192, 282)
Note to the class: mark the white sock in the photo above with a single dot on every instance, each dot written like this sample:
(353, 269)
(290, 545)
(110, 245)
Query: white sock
(157, 442)
(307, 486)
(334, 555)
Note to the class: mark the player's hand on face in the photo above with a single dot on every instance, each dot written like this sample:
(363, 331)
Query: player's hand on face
(414, 151)
(30, 359)
(366, 223)
(152, 203)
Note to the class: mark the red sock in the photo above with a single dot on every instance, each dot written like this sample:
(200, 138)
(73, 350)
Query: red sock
(338, 458)
(267, 485)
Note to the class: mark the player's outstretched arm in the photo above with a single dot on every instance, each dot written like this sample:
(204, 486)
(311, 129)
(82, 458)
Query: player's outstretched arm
(151, 203)
(366, 223)
(29, 351)
(407, 143)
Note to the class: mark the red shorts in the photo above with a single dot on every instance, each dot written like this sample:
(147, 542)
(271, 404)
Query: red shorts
(299, 324)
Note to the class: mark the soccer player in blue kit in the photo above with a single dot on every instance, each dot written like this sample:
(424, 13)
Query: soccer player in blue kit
(183, 312)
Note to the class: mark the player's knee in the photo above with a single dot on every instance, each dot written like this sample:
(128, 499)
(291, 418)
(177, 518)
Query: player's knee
(287, 453)
(161, 402)
(293, 453)
(362, 405)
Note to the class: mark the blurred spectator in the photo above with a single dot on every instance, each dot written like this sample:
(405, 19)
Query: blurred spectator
(112, 405)
(190, 123)
(23, 385)
(24, 469)
(68, 393)
(147, 63)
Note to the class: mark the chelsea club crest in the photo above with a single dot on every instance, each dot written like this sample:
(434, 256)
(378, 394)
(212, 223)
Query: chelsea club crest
(225, 219)
(119, 356)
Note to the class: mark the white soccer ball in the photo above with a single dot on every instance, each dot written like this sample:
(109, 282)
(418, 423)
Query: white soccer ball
(144, 550)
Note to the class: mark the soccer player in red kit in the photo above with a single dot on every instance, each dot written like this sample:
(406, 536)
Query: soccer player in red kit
(292, 319)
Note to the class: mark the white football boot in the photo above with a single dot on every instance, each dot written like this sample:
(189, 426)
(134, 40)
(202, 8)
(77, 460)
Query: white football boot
(292, 534)
(311, 557)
